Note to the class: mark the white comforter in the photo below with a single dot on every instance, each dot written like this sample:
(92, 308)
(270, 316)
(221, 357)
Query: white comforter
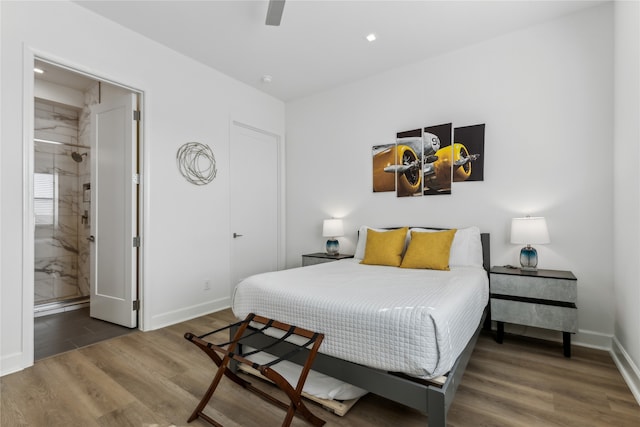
(401, 320)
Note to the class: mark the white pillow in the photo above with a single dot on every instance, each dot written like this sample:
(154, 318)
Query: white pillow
(466, 248)
(362, 240)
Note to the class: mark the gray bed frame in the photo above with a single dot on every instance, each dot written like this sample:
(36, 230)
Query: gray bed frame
(434, 400)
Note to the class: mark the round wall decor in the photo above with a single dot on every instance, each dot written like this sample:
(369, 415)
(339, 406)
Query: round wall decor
(196, 163)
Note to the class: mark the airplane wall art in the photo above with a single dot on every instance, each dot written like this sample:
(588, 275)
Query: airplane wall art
(427, 160)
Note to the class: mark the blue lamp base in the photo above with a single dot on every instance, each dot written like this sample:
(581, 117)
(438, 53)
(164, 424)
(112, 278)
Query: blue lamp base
(333, 247)
(529, 258)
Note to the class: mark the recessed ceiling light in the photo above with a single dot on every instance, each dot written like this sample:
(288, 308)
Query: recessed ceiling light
(38, 70)
(267, 78)
(371, 37)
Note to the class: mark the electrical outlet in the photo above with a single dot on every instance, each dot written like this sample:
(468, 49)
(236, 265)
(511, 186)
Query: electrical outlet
(207, 285)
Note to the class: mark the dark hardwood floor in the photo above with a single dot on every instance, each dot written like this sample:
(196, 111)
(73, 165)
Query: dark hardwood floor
(157, 378)
(60, 332)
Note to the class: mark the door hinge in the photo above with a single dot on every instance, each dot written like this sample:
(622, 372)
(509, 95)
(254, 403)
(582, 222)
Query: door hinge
(136, 305)
(136, 178)
(136, 115)
(136, 242)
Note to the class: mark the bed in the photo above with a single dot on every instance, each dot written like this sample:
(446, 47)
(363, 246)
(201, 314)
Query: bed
(405, 334)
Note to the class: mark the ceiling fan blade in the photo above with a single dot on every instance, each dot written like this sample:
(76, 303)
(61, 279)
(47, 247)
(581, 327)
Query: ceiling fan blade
(274, 13)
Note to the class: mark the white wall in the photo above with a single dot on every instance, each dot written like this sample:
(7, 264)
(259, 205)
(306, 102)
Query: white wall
(186, 228)
(627, 191)
(546, 96)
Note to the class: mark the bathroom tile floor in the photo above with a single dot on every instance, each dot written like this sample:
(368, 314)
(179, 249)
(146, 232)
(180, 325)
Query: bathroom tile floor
(69, 330)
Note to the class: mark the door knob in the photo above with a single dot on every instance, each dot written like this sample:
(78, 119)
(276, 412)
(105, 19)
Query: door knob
(236, 235)
(91, 238)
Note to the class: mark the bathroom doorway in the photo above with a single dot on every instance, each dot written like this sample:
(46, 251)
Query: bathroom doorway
(81, 175)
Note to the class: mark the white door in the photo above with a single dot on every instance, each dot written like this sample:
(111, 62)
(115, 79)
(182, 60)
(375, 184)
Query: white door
(114, 212)
(255, 201)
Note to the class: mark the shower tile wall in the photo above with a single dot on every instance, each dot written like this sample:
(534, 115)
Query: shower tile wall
(58, 206)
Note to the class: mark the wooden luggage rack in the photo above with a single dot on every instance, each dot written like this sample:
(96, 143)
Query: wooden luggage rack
(223, 354)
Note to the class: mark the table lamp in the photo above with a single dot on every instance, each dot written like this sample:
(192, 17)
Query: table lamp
(332, 228)
(528, 231)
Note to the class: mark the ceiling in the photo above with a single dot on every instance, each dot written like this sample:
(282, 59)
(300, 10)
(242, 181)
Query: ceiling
(322, 44)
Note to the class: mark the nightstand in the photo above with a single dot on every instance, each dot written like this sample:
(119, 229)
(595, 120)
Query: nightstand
(321, 257)
(542, 298)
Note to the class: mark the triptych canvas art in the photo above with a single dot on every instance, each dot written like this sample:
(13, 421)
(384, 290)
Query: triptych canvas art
(427, 160)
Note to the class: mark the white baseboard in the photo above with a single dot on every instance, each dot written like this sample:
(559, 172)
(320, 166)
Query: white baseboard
(627, 368)
(592, 339)
(583, 338)
(171, 318)
(10, 364)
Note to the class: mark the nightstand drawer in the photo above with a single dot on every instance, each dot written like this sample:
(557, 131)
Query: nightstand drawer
(546, 316)
(545, 288)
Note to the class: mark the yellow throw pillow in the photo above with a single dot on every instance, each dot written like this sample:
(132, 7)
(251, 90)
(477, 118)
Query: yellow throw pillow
(429, 250)
(385, 247)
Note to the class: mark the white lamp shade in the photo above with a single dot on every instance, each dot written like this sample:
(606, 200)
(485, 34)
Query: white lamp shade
(529, 230)
(332, 228)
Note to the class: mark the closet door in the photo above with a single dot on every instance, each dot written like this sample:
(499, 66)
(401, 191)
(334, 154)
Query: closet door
(255, 202)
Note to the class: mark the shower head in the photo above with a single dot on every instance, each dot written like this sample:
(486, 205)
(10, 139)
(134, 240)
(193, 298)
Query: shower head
(77, 157)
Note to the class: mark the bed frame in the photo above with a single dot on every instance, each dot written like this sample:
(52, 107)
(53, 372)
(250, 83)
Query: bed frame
(430, 397)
